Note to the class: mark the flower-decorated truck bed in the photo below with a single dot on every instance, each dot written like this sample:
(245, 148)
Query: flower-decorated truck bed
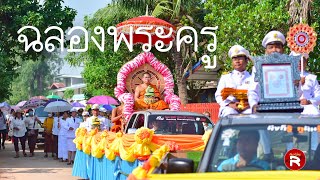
(108, 155)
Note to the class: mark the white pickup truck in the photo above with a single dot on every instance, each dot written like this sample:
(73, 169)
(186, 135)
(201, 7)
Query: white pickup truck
(169, 122)
(42, 115)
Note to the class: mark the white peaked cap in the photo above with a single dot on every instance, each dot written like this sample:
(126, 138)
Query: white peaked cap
(238, 50)
(273, 36)
(73, 110)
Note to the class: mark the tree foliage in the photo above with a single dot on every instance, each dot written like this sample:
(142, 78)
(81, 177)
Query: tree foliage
(314, 21)
(16, 14)
(244, 22)
(101, 68)
(34, 78)
(68, 93)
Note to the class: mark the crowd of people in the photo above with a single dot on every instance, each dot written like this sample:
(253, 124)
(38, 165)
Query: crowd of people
(59, 129)
(308, 87)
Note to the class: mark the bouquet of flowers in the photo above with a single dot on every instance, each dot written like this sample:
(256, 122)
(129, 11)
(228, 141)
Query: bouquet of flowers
(95, 123)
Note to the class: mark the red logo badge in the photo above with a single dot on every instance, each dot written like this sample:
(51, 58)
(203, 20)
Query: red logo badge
(295, 159)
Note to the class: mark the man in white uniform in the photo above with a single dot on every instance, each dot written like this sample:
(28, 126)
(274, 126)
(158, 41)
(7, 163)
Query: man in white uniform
(62, 139)
(105, 122)
(84, 124)
(239, 78)
(73, 123)
(273, 42)
(309, 93)
(55, 133)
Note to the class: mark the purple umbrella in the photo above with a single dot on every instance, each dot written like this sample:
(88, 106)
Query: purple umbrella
(15, 108)
(21, 103)
(102, 100)
(33, 103)
(77, 104)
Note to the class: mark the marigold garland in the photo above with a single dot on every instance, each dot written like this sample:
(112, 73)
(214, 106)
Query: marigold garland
(129, 147)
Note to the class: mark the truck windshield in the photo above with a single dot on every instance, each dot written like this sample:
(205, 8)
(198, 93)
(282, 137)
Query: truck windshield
(178, 124)
(40, 113)
(263, 147)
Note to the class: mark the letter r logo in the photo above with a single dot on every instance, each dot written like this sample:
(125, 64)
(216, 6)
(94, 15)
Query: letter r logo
(294, 159)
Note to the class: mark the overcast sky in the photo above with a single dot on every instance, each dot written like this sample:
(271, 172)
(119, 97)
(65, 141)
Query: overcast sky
(85, 7)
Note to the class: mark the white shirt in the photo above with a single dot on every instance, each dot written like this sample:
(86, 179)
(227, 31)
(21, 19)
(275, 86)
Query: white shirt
(104, 123)
(85, 124)
(236, 80)
(310, 90)
(74, 123)
(63, 127)
(55, 129)
(9, 117)
(31, 123)
(19, 123)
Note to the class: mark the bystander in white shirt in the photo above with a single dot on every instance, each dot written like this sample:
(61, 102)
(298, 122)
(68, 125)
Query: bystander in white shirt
(20, 124)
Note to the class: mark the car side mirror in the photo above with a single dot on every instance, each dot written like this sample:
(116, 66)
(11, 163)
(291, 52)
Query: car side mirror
(180, 165)
(132, 130)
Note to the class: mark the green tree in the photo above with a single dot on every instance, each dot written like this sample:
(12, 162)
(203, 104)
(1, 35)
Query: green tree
(246, 29)
(16, 14)
(34, 78)
(68, 93)
(249, 28)
(307, 12)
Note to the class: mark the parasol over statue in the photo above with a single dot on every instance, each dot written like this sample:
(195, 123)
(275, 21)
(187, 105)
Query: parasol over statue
(159, 30)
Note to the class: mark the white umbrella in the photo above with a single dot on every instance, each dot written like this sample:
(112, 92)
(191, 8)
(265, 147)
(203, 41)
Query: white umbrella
(58, 106)
(5, 106)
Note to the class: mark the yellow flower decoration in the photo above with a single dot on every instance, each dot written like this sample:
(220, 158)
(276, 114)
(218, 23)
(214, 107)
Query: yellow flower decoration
(93, 132)
(104, 134)
(139, 173)
(143, 135)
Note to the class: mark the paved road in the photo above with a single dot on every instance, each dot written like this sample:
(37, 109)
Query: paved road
(33, 168)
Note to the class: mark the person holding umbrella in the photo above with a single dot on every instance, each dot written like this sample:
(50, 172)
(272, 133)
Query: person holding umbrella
(72, 123)
(18, 126)
(55, 133)
(9, 118)
(32, 134)
(62, 139)
(48, 139)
